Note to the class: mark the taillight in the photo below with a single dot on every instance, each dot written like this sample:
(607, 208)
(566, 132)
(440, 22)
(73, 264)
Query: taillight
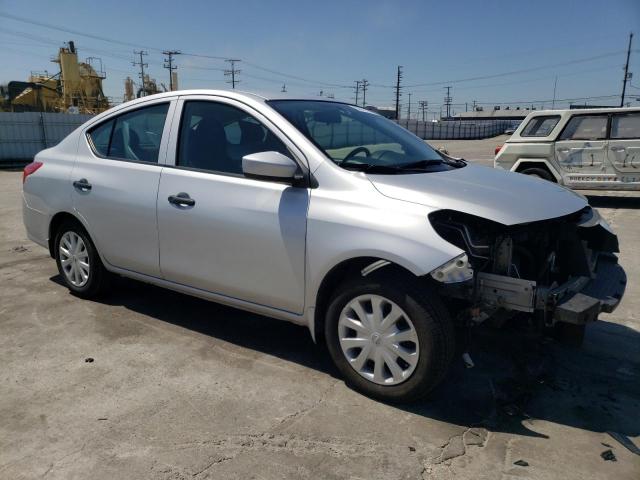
(29, 169)
(497, 150)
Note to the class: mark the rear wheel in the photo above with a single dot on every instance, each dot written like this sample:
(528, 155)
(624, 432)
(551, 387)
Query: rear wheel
(540, 173)
(78, 261)
(390, 337)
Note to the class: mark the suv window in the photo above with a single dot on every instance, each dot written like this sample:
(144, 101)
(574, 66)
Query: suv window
(540, 126)
(215, 136)
(586, 127)
(625, 125)
(132, 136)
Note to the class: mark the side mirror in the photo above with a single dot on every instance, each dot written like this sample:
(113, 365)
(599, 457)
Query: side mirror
(269, 166)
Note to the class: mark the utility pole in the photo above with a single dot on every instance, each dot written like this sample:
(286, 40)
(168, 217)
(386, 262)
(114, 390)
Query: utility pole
(398, 87)
(423, 106)
(168, 63)
(627, 75)
(365, 85)
(555, 84)
(357, 90)
(475, 103)
(142, 65)
(447, 101)
(284, 87)
(409, 108)
(232, 72)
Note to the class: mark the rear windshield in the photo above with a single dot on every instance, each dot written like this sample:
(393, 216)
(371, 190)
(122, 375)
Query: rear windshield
(540, 126)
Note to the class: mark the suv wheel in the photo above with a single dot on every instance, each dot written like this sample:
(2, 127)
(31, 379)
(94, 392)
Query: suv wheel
(78, 261)
(392, 339)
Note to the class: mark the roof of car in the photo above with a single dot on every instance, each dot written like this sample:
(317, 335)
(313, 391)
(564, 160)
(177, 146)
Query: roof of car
(256, 95)
(578, 111)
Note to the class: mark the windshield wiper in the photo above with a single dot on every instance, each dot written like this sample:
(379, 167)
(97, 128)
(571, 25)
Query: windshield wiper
(419, 164)
(370, 168)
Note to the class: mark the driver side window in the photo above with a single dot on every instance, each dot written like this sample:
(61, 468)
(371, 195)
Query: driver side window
(133, 136)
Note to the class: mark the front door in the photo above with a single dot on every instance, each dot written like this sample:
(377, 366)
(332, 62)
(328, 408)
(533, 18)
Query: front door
(222, 232)
(115, 186)
(581, 149)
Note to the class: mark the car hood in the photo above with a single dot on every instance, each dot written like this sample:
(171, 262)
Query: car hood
(504, 197)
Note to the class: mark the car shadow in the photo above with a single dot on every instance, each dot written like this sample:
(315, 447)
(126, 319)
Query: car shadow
(517, 375)
(612, 201)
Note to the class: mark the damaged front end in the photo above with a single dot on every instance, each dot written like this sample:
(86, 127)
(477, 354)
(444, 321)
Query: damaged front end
(558, 270)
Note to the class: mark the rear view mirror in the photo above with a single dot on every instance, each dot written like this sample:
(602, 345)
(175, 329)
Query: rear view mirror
(269, 166)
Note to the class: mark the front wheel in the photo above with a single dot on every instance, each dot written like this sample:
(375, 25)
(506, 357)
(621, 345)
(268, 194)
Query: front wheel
(390, 337)
(78, 261)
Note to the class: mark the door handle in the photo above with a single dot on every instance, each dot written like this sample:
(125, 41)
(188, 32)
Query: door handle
(617, 149)
(182, 200)
(563, 150)
(82, 185)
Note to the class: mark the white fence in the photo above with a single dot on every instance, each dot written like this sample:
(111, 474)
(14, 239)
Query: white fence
(24, 134)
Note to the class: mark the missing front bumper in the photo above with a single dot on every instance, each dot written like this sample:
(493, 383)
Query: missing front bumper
(578, 301)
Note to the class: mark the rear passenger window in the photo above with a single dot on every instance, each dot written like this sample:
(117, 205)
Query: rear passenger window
(540, 126)
(626, 125)
(132, 136)
(586, 127)
(100, 137)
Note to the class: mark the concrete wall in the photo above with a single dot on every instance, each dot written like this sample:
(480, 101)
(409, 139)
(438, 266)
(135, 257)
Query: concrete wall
(24, 134)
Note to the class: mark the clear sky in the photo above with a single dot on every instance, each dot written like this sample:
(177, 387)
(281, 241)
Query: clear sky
(494, 52)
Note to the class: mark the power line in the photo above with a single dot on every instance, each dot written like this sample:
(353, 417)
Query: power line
(447, 101)
(517, 72)
(626, 71)
(142, 65)
(364, 84)
(424, 105)
(357, 87)
(168, 64)
(232, 72)
(398, 89)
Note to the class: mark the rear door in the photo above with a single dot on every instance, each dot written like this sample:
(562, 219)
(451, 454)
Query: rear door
(581, 149)
(115, 185)
(624, 147)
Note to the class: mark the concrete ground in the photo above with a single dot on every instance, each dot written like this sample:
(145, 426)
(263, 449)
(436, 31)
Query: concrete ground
(148, 383)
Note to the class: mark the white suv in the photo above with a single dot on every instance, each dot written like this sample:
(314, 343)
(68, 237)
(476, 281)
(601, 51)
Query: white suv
(583, 149)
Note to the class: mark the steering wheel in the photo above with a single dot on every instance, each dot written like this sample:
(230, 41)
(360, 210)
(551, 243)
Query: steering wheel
(355, 152)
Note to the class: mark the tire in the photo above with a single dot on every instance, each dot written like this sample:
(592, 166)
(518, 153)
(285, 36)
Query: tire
(540, 173)
(433, 337)
(83, 272)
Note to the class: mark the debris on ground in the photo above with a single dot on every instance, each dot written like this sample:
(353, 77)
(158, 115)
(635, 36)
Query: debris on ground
(609, 456)
(521, 463)
(88, 360)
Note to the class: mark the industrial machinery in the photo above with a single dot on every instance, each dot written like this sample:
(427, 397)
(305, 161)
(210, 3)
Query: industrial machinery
(76, 88)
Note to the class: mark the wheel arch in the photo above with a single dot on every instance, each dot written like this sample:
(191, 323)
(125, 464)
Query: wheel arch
(349, 268)
(525, 163)
(56, 221)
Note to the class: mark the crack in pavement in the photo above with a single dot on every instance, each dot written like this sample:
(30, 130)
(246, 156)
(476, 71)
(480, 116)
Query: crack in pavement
(457, 445)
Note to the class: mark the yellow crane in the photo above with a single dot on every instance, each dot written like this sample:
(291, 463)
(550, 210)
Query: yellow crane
(76, 88)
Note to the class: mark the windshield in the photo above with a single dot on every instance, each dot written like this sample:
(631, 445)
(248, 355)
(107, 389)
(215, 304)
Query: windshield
(358, 139)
